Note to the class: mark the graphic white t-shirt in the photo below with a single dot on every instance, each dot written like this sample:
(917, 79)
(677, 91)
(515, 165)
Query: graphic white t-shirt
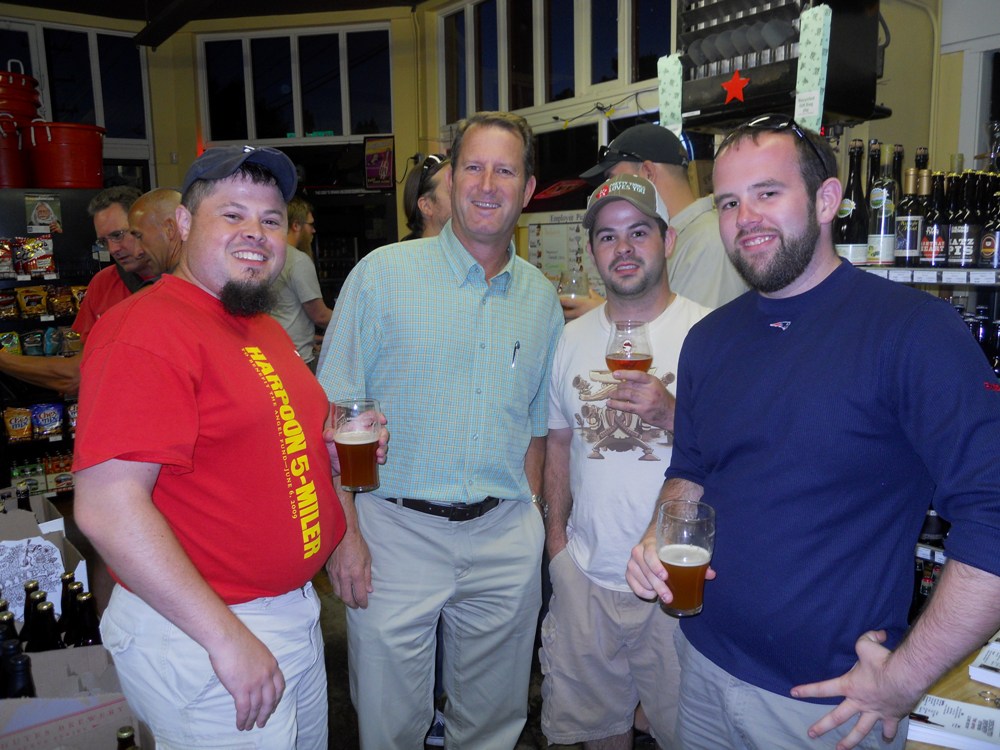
(616, 460)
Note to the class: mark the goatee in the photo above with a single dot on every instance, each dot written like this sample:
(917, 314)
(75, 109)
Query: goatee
(246, 298)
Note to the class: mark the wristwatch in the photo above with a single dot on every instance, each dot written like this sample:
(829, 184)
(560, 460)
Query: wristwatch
(537, 500)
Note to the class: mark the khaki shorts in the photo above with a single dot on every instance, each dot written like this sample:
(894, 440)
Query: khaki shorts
(602, 653)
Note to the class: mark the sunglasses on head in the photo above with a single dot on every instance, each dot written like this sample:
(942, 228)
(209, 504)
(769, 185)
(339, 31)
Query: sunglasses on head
(433, 161)
(616, 153)
(776, 123)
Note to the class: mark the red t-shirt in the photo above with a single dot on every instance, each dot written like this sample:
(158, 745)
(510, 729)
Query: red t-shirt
(234, 417)
(104, 291)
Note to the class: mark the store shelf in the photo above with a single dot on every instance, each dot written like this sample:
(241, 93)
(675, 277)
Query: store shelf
(955, 276)
(933, 554)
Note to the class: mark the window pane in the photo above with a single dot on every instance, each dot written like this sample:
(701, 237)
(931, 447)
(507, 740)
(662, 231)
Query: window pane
(522, 92)
(368, 82)
(71, 89)
(319, 78)
(15, 46)
(487, 65)
(651, 35)
(121, 86)
(271, 63)
(227, 107)
(604, 41)
(454, 66)
(559, 59)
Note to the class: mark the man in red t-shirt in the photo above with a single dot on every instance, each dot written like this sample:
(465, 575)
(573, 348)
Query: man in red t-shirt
(212, 502)
(111, 285)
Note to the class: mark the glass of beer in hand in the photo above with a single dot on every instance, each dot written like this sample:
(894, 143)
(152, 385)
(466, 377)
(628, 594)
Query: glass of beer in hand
(685, 539)
(573, 284)
(356, 426)
(628, 346)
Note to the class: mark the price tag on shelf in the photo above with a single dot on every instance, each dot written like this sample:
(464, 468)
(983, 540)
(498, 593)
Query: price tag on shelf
(46, 318)
(904, 275)
(50, 276)
(982, 277)
(925, 277)
(883, 272)
(55, 438)
(954, 277)
(23, 277)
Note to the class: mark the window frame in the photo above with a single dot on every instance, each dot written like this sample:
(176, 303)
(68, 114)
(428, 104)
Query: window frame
(293, 35)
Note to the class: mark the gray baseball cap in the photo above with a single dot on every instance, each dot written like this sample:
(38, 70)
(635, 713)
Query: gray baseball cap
(222, 161)
(638, 191)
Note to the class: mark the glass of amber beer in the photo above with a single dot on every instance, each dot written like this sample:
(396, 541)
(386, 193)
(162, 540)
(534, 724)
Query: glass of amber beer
(685, 539)
(628, 346)
(356, 427)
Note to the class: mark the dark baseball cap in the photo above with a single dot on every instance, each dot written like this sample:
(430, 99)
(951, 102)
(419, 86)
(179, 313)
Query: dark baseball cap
(626, 187)
(645, 142)
(221, 162)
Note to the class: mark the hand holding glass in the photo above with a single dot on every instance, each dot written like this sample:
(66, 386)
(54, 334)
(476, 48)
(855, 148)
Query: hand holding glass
(685, 540)
(356, 425)
(628, 346)
(573, 284)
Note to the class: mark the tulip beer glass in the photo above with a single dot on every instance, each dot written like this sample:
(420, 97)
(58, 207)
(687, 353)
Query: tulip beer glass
(628, 346)
(685, 539)
(356, 426)
(573, 284)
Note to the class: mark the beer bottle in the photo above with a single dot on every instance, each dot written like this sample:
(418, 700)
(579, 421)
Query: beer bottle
(965, 226)
(956, 213)
(20, 683)
(922, 158)
(22, 491)
(909, 223)
(995, 338)
(126, 738)
(897, 163)
(4, 605)
(983, 194)
(70, 617)
(30, 587)
(8, 629)
(851, 226)
(874, 166)
(66, 579)
(990, 237)
(88, 633)
(8, 648)
(44, 630)
(882, 217)
(934, 244)
(28, 629)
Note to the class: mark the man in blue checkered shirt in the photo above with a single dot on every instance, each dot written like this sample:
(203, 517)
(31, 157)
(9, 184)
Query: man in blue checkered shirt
(454, 335)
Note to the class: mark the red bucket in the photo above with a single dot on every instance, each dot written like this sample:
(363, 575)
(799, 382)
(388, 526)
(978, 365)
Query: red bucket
(13, 164)
(65, 155)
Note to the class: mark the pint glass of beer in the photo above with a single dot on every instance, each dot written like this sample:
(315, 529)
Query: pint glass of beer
(356, 428)
(685, 538)
(628, 346)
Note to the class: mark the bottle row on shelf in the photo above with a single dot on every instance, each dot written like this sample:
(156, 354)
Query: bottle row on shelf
(920, 219)
(51, 473)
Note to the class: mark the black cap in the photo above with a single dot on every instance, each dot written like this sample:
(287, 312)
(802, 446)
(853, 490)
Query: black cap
(645, 142)
(221, 162)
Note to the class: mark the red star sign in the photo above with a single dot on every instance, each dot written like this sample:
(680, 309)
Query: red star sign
(734, 87)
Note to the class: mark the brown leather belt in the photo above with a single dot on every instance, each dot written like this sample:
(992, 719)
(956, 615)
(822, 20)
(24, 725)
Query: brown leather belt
(451, 511)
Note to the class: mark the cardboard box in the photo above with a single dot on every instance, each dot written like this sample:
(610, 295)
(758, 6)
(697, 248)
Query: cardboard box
(17, 525)
(80, 705)
(700, 176)
(49, 518)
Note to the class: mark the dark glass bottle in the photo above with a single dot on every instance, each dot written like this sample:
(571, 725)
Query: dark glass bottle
(8, 629)
(70, 616)
(934, 244)
(995, 339)
(851, 225)
(874, 166)
(66, 579)
(990, 237)
(30, 587)
(88, 633)
(126, 738)
(28, 629)
(4, 605)
(956, 211)
(45, 630)
(922, 158)
(8, 648)
(897, 163)
(20, 683)
(965, 226)
(910, 216)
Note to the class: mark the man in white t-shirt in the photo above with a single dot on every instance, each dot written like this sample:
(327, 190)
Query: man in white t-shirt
(609, 442)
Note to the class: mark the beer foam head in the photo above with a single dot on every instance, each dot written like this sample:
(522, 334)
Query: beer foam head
(626, 187)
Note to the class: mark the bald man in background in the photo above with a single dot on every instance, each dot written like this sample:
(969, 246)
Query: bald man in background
(153, 226)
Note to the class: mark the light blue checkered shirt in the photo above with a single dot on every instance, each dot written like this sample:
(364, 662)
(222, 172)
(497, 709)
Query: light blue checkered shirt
(461, 367)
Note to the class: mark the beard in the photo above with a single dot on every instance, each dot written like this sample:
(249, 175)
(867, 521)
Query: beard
(245, 299)
(788, 263)
(637, 286)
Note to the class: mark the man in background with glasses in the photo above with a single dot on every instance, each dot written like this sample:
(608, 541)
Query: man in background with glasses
(699, 268)
(130, 271)
(820, 415)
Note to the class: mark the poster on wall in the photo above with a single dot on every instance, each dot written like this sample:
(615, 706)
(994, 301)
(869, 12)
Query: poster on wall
(557, 242)
(379, 173)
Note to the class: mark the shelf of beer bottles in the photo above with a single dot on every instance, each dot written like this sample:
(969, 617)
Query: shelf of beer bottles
(927, 552)
(957, 276)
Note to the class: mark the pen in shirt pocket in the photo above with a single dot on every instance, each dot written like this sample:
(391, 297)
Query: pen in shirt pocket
(513, 357)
